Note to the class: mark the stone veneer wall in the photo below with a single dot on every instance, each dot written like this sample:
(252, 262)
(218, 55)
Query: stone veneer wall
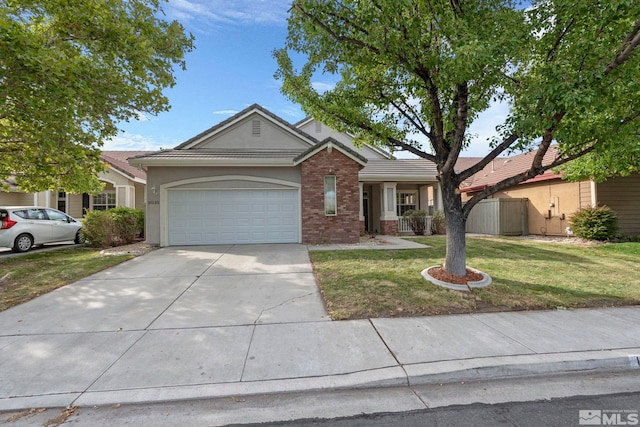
(344, 227)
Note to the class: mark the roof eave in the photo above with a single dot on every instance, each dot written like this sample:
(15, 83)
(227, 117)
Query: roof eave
(213, 162)
(396, 178)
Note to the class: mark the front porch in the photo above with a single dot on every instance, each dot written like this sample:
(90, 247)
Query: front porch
(383, 204)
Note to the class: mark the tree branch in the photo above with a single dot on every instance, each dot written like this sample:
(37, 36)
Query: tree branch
(556, 45)
(464, 175)
(337, 37)
(460, 126)
(628, 46)
(413, 118)
(412, 149)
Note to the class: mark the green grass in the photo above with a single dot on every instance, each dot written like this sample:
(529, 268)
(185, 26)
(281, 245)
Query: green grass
(26, 277)
(526, 275)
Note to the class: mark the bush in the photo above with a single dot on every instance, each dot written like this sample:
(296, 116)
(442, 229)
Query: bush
(418, 221)
(438, 223)
(114, 227)
(599, 223)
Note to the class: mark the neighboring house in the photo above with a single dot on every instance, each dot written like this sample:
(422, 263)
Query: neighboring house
(551, 201)
(255, 178)
(124, 186)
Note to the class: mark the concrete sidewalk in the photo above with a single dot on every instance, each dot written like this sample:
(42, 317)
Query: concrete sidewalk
(150, 331)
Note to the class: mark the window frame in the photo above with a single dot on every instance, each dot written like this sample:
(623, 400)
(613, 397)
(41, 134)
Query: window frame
(107, 203)
(330, 200)
(399, 197)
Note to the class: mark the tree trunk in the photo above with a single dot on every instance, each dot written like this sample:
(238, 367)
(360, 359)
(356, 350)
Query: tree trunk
(456, 257)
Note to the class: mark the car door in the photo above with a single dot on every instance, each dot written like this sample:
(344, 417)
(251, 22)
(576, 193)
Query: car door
(37, 224)
(61, 228)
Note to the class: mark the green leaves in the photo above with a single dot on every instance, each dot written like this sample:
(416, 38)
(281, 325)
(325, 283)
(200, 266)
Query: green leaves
(569, 70)
(69, 72)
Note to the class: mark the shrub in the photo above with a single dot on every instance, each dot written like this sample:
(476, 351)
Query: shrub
(417, 220)
(438, 223)
(599, 223)
(98, 229)
(126, 223)
(114, 227)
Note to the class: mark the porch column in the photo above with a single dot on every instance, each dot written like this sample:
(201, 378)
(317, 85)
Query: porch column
(437, 198)
(125, 196)
(388, 217)
(424, 199)
(361, 202)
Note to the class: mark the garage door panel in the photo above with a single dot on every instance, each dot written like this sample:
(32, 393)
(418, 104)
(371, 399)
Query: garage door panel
(201, 217)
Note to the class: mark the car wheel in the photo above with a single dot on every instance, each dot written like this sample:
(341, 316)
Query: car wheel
(79, 238)
(23, 243)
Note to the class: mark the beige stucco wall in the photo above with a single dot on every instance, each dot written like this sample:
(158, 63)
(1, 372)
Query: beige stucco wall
(622, 194)
(566, 198)
(139, 194)
(159, 176)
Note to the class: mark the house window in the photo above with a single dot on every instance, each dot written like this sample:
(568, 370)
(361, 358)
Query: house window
(104, 201)
(330, 200)
(405, 201)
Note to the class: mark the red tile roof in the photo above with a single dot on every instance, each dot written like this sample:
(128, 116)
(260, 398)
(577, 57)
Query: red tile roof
(118, 160)
(502, 168)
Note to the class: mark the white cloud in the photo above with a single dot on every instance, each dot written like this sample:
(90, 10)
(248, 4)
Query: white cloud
(209, 13)
(132, 141)
(322, 87)
(225, 112)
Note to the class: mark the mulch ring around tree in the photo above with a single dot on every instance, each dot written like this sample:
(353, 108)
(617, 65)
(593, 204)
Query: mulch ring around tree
(440, 274)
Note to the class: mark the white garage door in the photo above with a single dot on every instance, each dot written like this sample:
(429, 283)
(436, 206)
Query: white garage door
(205, 217)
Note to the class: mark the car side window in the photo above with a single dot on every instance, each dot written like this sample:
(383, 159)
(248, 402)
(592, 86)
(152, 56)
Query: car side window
(56, 216)
(21, 213)
(35, 214)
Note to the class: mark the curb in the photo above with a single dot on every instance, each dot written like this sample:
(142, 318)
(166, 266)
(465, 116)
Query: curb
(523, 366)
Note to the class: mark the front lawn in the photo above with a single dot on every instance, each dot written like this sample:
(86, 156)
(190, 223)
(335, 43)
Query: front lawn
(26, 277)
(526, 275)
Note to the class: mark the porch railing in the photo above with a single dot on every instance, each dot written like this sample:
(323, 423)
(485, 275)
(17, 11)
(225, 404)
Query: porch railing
(404, 225)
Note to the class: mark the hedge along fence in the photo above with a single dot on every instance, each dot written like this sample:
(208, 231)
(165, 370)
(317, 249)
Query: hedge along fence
(114, 227)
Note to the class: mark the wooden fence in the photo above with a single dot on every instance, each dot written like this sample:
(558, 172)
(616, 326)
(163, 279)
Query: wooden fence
(504, 217)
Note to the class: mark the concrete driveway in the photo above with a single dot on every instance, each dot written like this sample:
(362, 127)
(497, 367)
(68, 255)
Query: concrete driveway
(180, 287)
(177, 315)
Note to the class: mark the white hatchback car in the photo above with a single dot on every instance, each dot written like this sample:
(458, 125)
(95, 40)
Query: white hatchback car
(24, 226)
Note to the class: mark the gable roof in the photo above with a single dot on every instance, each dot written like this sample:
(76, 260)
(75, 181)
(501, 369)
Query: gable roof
(331, 143)
(377, 152)
(252, 109)
(503, 168)
(118, 160)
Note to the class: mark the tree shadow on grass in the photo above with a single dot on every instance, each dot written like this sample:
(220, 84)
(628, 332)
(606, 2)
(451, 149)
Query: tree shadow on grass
(503, 291)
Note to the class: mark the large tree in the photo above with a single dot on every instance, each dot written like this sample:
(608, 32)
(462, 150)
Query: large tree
(412, 71)
(70, 71)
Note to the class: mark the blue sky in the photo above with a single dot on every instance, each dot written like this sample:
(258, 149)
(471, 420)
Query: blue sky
(231, 68)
